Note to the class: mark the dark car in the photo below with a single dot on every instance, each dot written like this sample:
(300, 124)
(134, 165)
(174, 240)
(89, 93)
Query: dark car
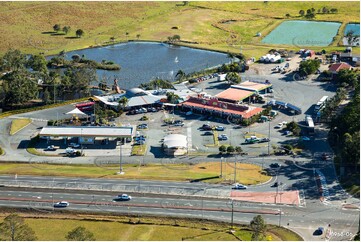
(318, 231)
(62, 204)
(275, 165)
(276, 184)
(208, 133)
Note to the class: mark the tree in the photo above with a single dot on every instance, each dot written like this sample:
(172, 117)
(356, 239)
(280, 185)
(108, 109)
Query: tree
(38, 63)
(313, 10)
(80, 234)
(351, 37)
(222, 149)
(238, 149)
(288, 15)
(233, 78)
(56, 27)
(310, 15)
(123, 102)
(230, 149)
(230, 56)
(172, 97)
(75, 58)
(309, 67)
(14, 228)
(325, 10)
(259, 228)
(13, 60)
(308, 11)
(66, 29)
(349, 77)
(138, 36)
(180, 75)
(302, 12)
(79, 33)
(333, 10)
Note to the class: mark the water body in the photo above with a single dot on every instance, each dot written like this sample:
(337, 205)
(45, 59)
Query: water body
(303, 33)
(354, 27)
(141, 62)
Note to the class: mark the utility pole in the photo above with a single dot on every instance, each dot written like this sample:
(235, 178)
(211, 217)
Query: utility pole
(269, 135)
(121, 172)
(221, 167)
(232, 216)
(235, 165)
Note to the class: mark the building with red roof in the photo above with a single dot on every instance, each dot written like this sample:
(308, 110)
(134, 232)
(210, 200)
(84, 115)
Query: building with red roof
(215, 107)
(335, 68)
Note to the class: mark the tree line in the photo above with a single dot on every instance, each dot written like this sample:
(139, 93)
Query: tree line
(311, 12)
(26, 78)
(66, 29)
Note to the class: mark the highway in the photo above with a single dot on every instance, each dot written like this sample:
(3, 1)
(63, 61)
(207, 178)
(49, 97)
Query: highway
(303, 220)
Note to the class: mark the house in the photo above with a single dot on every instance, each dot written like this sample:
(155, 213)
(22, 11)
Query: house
(335, 68)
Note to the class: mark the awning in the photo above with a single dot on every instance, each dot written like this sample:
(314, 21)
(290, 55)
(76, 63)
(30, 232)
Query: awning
(76, 111)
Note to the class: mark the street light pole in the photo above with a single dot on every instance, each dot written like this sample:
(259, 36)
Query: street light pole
(269, 135)
(221, 167)
(120, 158)
(235, 164)
(232, 216)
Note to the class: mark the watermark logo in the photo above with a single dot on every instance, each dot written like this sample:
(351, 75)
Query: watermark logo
(300, 41)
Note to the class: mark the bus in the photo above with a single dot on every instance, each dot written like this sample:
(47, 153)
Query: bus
(320, 104)
(85, 107)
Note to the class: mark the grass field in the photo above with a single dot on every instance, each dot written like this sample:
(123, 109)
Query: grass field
(18, 124)
(206, 23)
(109, 228)
(245, 173)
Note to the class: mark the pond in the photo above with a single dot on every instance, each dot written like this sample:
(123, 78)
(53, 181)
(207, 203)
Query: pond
(143, 61)
(353, 27)
(303, 33)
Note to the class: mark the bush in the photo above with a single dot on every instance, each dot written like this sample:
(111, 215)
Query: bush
(230, 149)
(222, 148)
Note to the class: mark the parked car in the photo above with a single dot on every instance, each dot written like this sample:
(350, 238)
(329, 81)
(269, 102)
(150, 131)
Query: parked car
(262, 140)
(140, 142)
(122, 197)
(252, 140)
(62, 204)
(279, 126)
(51, 148)
(142, 126)
(219, 128)
(275, 184)
(208, 133)
(275, 165)
(239, 187)
(222, 137)
(287, 132)
(206, 127)
(74, 145)
(179, 124)
(305, 138)
(189, 113)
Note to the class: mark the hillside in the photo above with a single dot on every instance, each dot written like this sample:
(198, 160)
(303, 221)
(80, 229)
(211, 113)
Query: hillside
(225, 26)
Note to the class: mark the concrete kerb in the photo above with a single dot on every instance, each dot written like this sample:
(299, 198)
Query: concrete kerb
(23, 127)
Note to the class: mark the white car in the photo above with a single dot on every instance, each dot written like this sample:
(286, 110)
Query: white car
(189, 113)
(62, 204)
(123, 197)
(74, 145)
(279, 126)
(239, 187)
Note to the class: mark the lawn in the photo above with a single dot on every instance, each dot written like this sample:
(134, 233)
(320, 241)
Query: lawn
(206, 23)
(245, 173)
(19, 124)
(50, 227)
(139, 150)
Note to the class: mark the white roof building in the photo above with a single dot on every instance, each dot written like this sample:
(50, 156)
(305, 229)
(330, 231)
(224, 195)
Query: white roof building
(86, 131)
(175, 144)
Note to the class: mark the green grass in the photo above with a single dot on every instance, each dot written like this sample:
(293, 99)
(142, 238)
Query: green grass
(49, 227)
(19, 124)
(139, 150)
(246, 173)
(199, 22)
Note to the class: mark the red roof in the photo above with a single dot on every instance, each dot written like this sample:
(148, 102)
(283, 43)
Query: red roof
(339, 66)
(234, 94)
(219, 106)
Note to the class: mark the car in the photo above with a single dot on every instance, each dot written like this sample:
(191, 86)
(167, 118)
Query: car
(305, 138)
(62, 204)
(251, 140)
(208, 133)
(262, 140)
(284, 122)
(325, 156)
(219, 128)
(206, 127)
(222, 137)
(122, 197)
(279, 126)
(69, 151)
(239, 187)
(179, 124)
(142, 126)
(153, 109)
(189, 113)
(140, 142)
(276, 184)
(319, 231)
(275, 165)
(51, 148)
(287, 132)
(74, 145)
